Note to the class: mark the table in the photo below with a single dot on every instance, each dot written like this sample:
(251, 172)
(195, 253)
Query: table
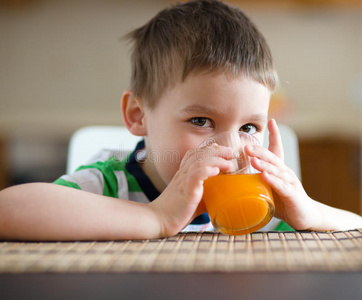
(280, 265)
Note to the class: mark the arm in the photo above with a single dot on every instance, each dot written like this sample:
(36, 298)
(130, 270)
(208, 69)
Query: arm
(45, 211)
(331, 218)
(293, 205)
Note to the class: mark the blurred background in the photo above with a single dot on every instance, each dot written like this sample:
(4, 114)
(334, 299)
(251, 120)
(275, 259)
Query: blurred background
(63, 66)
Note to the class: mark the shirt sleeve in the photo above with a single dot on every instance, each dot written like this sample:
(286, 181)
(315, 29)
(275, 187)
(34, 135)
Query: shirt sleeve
(102, 178)
(87, 179)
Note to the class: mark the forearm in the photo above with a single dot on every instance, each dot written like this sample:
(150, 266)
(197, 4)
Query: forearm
(42, 211)
(330, 218)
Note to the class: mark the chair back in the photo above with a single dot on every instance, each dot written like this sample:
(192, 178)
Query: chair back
(86, 142)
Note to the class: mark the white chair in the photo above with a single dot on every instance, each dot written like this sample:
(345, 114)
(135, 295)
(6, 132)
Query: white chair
(86, 142)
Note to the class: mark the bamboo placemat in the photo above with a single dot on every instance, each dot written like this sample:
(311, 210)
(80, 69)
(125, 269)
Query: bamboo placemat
(191, 252)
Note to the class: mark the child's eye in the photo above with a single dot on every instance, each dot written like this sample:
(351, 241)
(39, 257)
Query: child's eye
(201, 122)
(249, 128)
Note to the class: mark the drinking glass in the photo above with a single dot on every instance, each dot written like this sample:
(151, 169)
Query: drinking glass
(238, 202)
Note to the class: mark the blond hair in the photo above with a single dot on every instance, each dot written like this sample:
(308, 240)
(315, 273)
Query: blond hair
(194, 37)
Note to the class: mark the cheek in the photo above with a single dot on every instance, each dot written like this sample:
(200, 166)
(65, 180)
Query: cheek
(260, 138)
(171, 160)
(168, 165)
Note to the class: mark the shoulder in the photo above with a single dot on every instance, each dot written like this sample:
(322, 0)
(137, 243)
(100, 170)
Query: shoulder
(104, 176)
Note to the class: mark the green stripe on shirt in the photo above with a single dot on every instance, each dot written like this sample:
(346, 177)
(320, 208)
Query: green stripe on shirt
(133, 185)
(63, 182)
(282, 226)
(110, 182)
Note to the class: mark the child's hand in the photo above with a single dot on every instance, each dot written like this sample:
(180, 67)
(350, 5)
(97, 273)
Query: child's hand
(180, 203)
(292, 204)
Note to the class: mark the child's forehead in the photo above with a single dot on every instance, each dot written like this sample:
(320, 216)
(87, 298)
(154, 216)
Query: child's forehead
(213, 85)
(216, 94)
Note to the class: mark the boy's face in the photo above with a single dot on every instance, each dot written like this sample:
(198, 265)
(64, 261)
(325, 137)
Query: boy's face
(193, 110)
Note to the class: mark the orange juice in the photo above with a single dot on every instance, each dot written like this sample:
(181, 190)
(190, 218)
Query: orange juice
(238, 203)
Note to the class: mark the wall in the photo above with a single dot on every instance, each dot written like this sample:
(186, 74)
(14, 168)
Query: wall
(62, 66)
(318, 57)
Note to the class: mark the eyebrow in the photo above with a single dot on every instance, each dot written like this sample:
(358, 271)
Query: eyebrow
(258, 118)
(196, 109)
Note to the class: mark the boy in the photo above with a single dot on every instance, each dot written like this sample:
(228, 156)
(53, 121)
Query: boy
(199, 68)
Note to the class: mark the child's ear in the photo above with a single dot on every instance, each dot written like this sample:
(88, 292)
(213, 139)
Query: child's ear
(133, 113)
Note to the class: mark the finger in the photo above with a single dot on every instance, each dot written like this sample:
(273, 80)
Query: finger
(261, 166)
(204, 166)
(280, 186)
(222, 164)
(263, 154)
(197, 176)
(283, 172)
(208, 153)
(275, 140)
(217, 156)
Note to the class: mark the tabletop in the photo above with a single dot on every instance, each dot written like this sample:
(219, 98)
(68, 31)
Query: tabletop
(208, 259)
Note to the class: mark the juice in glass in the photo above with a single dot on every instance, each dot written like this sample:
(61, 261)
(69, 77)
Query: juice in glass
(238, 203)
